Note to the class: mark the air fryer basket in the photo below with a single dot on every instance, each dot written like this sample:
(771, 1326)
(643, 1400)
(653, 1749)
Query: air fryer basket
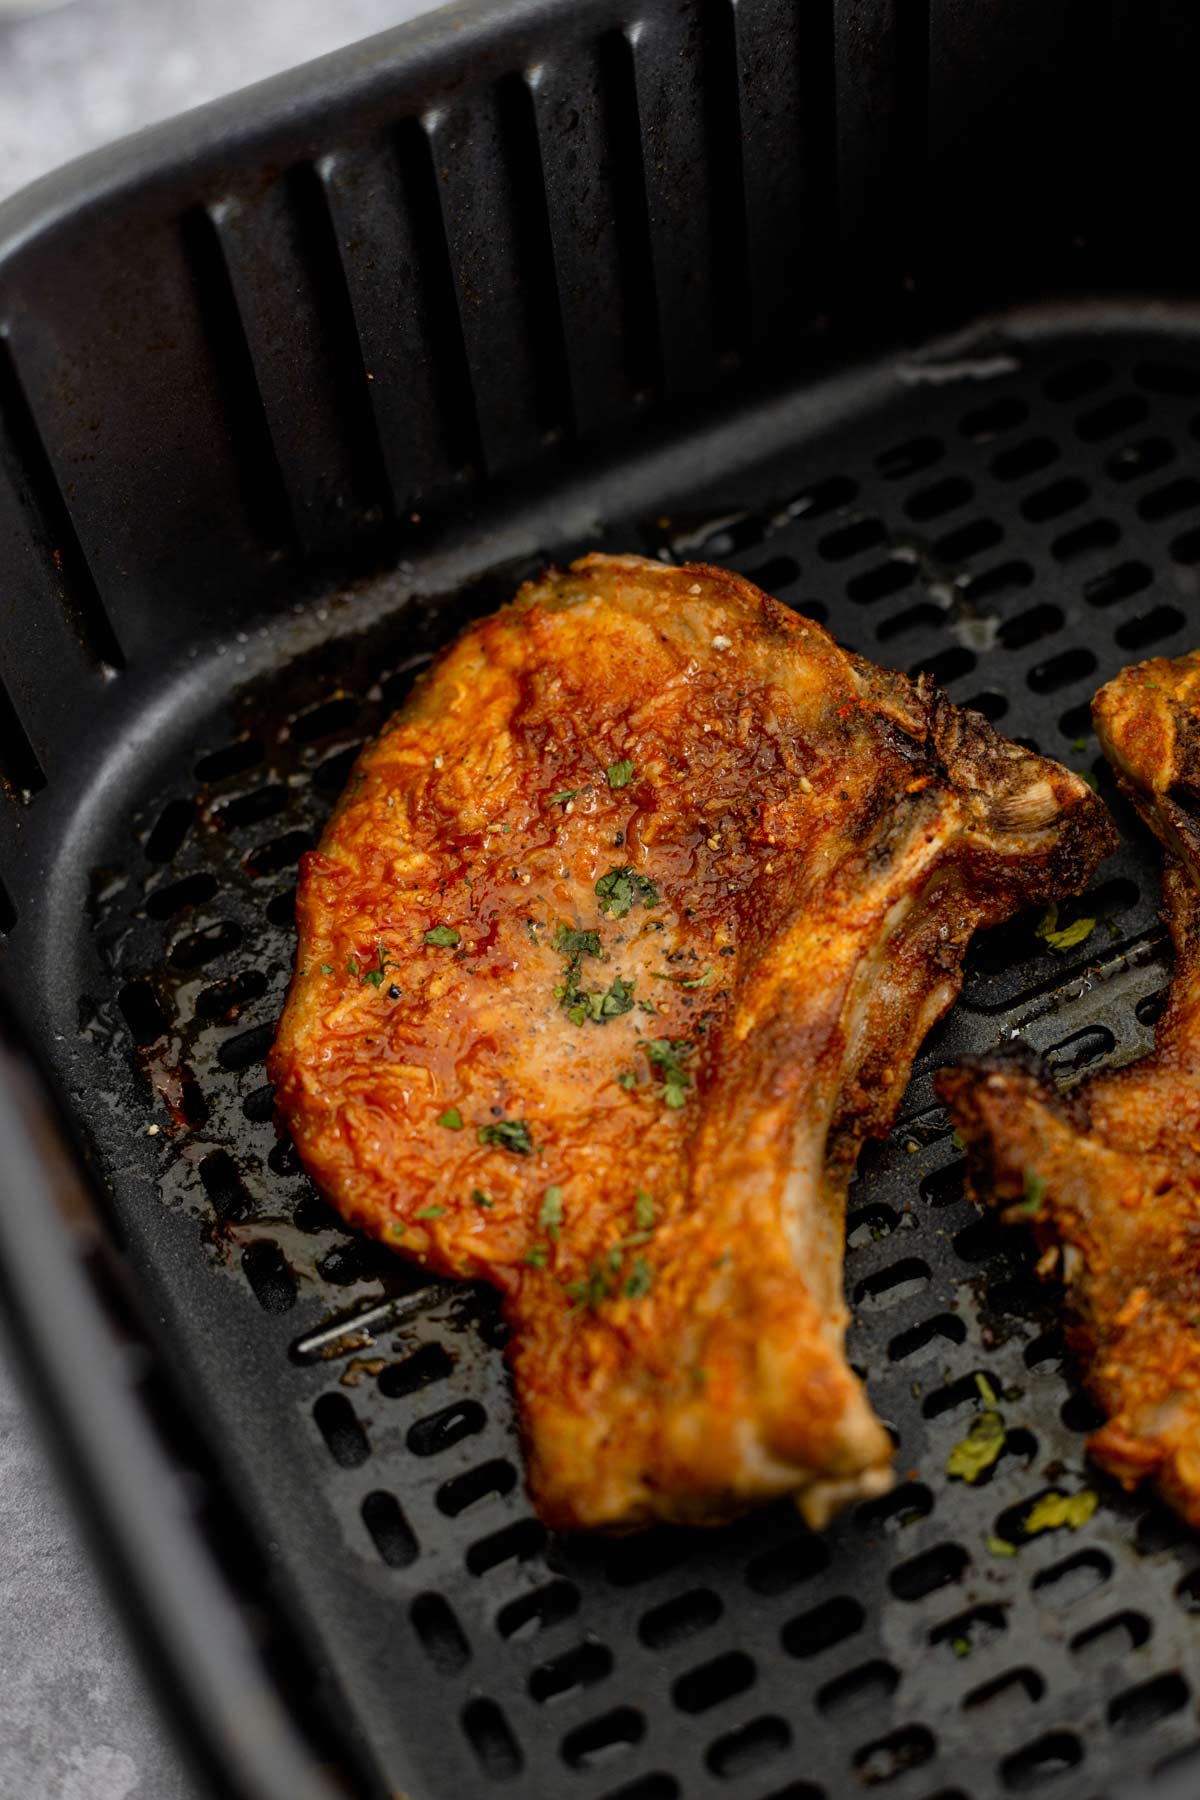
(288, 391)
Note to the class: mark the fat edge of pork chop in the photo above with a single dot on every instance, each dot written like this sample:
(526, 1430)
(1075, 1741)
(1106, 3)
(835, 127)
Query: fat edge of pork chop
(621, 940)
(1108, 1175)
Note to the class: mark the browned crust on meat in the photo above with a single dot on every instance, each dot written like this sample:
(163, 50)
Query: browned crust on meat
(822, 838)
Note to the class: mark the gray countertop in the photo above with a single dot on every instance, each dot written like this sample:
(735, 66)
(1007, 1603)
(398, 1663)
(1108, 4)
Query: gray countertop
(76, 78)
(76, 1722)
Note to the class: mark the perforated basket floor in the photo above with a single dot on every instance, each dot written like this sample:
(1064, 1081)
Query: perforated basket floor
(1021, 524)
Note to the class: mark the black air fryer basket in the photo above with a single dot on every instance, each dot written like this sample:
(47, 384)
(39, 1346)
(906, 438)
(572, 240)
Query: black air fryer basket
(893, 307)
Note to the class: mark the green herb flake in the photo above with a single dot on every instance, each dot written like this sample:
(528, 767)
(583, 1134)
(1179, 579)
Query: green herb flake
(482, 1200)
(627, 1079)
(374, 977)
(577, 944)
(1000, 1546)
(685, 981)
(1055, 1510)
(327, 968)
(430, 1212)
(620, 774)
(961, 1646)
(451, 1119)
(1079, 744)
(987, 1392)
(352, 966)
(1069, 936)
(956, 1140)
(442, 937)
(563, 796)
(536, 1258)
(645, 1212)
(978, 1450)
(639, 1280)
(621, 887)
(551, 1215)
(581, 1006)
(397, 1229)
(1034, 1193)
(508, 1134)
(667, 1054)
(611, 1005)
(590, 1292)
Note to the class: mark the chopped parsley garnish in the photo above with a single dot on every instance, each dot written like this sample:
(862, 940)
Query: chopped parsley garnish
(577, 944)
(482, 1200)
(451, 1119)
(618, 890)
(327, 968)
(598, 1006)
(627, 1079)
(961, 1646)
(374, 977)
(956, 1140)
(601, 1007)
(685, 981)
(639, 1281)
(508, 1134)
(442, 937)
(591, 1291)
(978, 1450)
(603, 1279)
(1000, 1546)
(551, 1215)
(574, 945)
(620, 774)
(667, 1054)
(562, 797)
(537, 1257)
(1034, 1195)
(397, 1229)
(1069, 936)
(430, 1212)
(1054, 1510)
(983, 1443)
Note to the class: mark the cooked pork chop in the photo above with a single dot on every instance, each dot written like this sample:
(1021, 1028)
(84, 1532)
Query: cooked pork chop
(621, 939)
(1110, 1175)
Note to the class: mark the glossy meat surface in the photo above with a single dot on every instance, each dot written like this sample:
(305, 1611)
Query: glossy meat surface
(621, 939)
(1109, 1175)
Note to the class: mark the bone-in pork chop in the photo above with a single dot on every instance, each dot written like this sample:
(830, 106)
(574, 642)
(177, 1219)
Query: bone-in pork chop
(1109, 1175)
(620, 941)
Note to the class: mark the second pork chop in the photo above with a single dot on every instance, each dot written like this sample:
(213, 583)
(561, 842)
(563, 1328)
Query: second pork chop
(1109, 1175)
